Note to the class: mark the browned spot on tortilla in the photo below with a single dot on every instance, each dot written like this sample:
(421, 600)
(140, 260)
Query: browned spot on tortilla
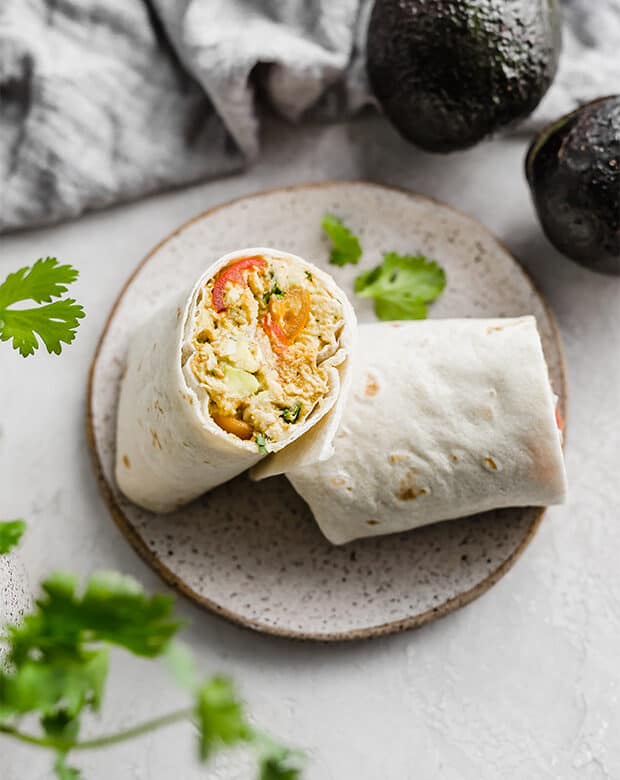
(396, 457)
(543, 468)
(455, 457)
(372, 386)
(490, 464)
(338, 481)
(410, 493)
(409, 490)
(497, 328)
(123, 371)
(179, 313)
(373, 522)
(155, 439)
(157, 407)
(396, 325)
(486, 412)
(126, 461)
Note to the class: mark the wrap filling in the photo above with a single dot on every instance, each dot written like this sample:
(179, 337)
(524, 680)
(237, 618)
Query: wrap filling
(264, 333)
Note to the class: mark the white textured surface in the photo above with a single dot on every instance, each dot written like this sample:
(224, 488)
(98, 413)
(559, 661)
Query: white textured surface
(524, 683)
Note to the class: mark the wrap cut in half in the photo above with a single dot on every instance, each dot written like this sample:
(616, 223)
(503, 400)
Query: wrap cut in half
(445, 418)
(252, 365)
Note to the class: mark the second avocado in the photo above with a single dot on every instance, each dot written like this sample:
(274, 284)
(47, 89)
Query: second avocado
(449, 73)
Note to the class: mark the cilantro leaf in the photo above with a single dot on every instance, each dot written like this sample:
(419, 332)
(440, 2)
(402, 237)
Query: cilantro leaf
(121, 612)
(63, 725)
(220, 716)
(261, 443)
(291, 413)
(113, 608)
(277, 762)
(346, 246)
(55, 323)
(65, 772)
(11, 531)
(402, 286)
(58, 686)
(283, 767)
(45, 280)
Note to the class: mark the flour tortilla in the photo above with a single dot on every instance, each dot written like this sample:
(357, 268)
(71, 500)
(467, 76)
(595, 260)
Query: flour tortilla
(169, 449)
(446, 418)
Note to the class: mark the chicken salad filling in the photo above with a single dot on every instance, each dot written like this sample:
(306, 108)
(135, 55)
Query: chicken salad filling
(264, 334)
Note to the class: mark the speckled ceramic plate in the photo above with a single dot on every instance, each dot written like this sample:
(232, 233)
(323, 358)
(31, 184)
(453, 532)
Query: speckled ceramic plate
(251, 552)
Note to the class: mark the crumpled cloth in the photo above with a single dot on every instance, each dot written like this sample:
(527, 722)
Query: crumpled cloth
(106, 100)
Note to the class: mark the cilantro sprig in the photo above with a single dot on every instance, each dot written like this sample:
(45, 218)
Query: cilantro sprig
(11, 531)
(346, 247)
(55, 321)
(58, 667)
(402, 286)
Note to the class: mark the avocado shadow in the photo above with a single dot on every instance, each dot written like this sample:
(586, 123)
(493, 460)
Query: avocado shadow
(570, 288)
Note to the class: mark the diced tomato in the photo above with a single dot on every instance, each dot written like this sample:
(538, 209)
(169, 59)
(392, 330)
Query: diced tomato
(290, 313)
(286, 318)
(233, 273)
(275, 333)
(558, 418)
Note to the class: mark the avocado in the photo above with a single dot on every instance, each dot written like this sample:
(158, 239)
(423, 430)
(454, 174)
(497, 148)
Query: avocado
(240, 383)
(573, 169)
(449, 73)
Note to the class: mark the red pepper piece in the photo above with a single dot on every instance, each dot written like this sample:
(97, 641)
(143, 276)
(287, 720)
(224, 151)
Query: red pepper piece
(233, 273)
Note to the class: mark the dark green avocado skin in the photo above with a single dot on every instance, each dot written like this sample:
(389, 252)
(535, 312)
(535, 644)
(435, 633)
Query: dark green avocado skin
(573, 169)
(449, 72)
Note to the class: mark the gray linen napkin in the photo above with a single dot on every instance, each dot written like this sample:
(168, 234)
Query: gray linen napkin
(106, 100)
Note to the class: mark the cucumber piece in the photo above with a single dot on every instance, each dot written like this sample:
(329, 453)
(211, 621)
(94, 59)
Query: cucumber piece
(240, 383)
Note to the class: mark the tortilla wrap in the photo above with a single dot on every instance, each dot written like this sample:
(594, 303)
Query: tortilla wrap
(169, 448)
(445, 418)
